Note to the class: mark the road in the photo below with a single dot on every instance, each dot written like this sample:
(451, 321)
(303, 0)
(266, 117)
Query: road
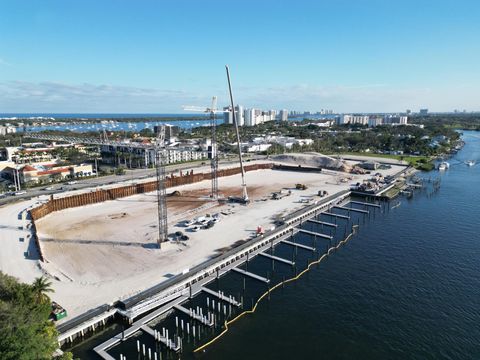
(130, 175)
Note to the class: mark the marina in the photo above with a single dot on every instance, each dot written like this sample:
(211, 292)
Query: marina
(205, 316)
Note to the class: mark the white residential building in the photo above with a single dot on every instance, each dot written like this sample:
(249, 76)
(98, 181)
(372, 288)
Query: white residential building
(375, 121)
(239, 115)
(4, 130)
(395, 120)
(250, 117)
(354, 119)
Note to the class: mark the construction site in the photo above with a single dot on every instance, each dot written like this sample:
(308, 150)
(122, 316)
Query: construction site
(117, 244)
(107, 250)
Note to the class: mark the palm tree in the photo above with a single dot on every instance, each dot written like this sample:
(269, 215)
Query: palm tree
(40, 287)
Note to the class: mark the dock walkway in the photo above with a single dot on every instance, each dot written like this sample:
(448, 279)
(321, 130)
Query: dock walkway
(252, 275)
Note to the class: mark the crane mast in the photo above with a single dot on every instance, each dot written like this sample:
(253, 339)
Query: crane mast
(214, 151)
(161, 190)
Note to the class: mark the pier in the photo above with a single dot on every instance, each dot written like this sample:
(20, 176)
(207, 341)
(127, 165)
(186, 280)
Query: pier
(276, 258)
(301, 246)
(324, 223)
(337, 215)
(366, 204)
(252, 275)
(161, 338)
(313, 233)
(220, 296)
(101, 349)
(352, 209)
(196, 315)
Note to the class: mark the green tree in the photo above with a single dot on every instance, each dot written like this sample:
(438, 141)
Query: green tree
(40, 287)
(26, 333)
(119, 171)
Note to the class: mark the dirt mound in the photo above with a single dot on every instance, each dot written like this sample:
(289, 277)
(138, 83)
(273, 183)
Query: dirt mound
(313, 159)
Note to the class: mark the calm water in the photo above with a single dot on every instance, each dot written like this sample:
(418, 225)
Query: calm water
(407, 286)
(122, 126)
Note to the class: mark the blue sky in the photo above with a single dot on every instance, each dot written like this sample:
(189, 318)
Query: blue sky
(154, 56)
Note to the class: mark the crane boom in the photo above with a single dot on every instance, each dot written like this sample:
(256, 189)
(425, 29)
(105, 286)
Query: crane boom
(239, 146)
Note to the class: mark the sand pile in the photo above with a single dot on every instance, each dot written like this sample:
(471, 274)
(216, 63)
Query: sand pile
(313, 159)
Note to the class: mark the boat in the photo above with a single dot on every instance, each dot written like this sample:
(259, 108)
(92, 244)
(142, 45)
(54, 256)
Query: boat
(470, 162)
(443, 166)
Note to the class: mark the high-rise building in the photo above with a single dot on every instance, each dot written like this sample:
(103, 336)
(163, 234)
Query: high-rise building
(250, 117)
(227, 115)
(283, 115)
(171, 131)
(239, 115)
(423, 111)
(375, 121)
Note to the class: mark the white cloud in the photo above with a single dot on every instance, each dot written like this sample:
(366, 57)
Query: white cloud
(364, 98)
(23, 96)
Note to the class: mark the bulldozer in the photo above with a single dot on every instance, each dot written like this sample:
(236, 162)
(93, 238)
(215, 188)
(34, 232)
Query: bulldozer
(301, 187)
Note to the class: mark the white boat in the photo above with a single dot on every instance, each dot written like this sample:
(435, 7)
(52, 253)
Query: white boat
(443, 166)
(470, 162)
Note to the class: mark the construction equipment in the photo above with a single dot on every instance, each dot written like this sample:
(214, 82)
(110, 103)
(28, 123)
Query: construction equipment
(300, 186)
(161, 190)
(213, 147)
(244, 199)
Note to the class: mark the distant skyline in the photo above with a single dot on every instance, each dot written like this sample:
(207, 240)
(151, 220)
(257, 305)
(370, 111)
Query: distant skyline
(151, 56)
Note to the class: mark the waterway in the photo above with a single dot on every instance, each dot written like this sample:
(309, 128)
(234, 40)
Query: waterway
(109, 124)
(407, 286)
